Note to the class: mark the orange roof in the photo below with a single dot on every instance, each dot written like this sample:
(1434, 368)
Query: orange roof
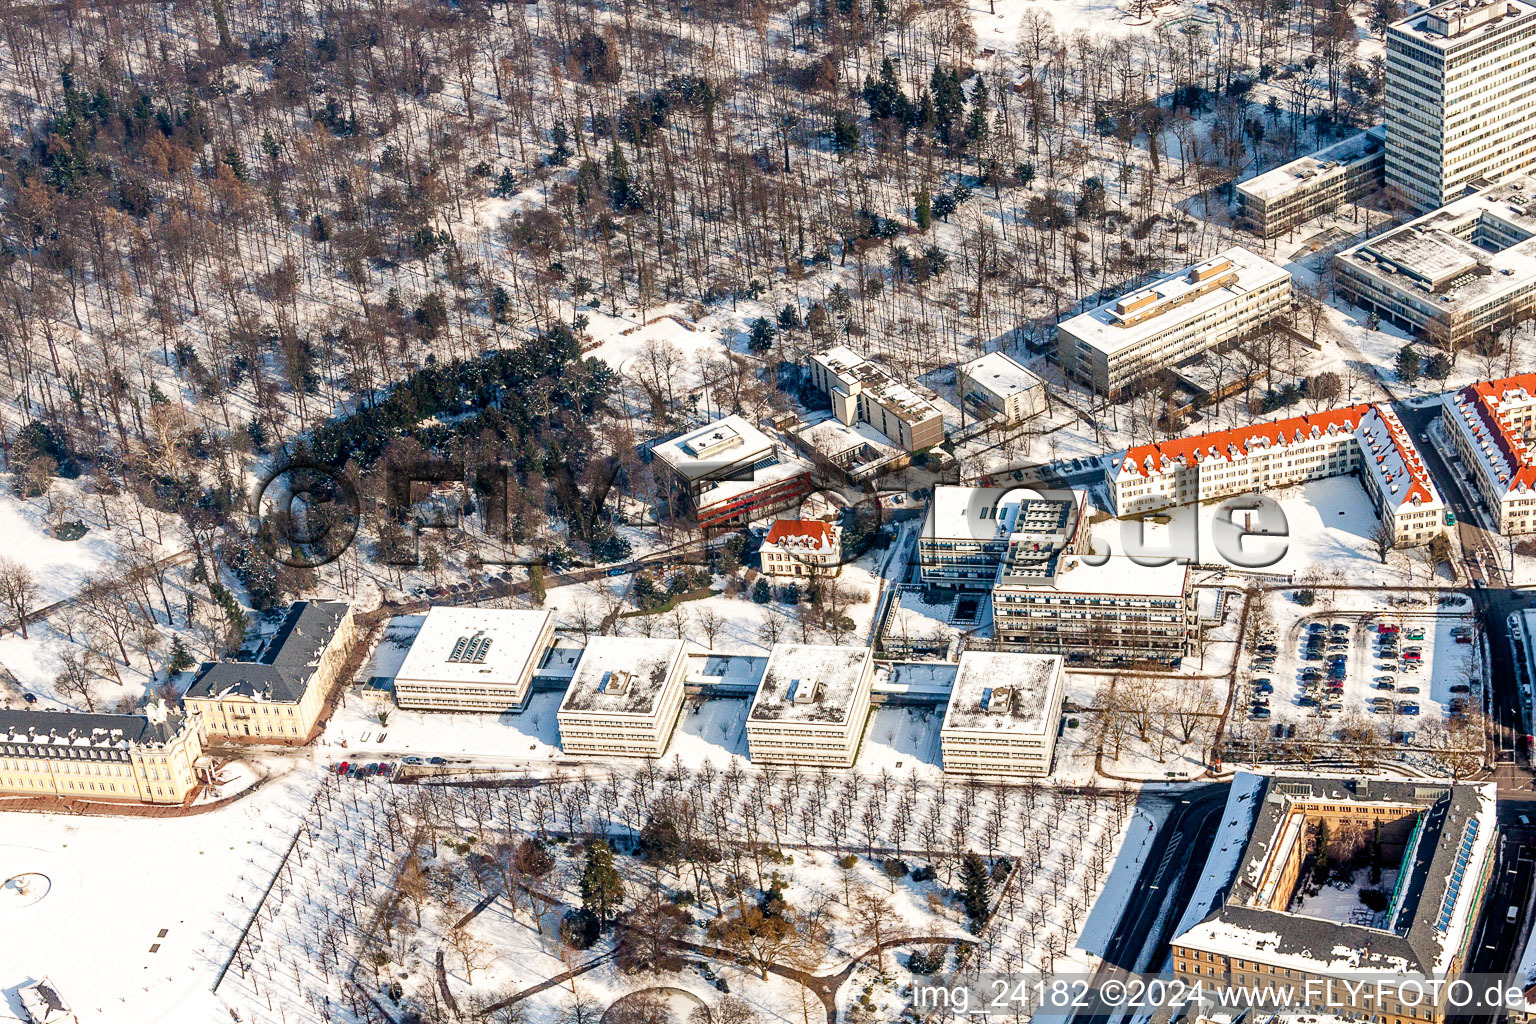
(1480, 402)
(1221, 443)
(813, 530)
(1400, 457)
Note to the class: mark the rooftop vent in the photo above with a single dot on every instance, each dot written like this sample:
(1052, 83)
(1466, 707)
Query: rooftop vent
(804, 691)
(616, 681)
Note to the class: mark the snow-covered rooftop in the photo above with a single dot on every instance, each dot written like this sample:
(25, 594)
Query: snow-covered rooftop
(1458, 23)
(1000, 374)
(898, 399)
(622, 675)
(1004, 692)
(1326, 163)
(716, 448)
(1488, 415)
(1120, 574)
(1230, 913)
(1452, 260)
(1189, 294)
(811, 683)
(466, 645)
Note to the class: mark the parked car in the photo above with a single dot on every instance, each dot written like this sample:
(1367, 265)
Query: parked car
(1408, 689)
(1415, 634)
(617, 571)
(1386, 685)
(1258, 714)
(1333, 705)
(436, 760)
(1413, 656)
(1388, 628)
(1307, 701)
(30, 698)
(1261, 702)
(1407, 707)
(341, 769)
(1461, 688)
(1263, 686)
(1464, 639)
(412, 760)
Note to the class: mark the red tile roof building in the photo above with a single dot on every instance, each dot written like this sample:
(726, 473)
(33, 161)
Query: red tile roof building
(1365, 439)
(1491, 425)
(800, 548)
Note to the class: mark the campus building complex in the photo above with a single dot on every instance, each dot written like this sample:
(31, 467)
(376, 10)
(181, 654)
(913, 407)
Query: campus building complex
(1024, 549)
(1492, 425)
(1461, 98)
(1228, 297)
(1368, 440)
(811, 705)
(474, 659)
(153, 758)
(861, 392)
(1253, 924)
(624, 699)
(730, 473)
(798, 549)
(1463, 270)
(277, 694)
(1276, 201)
(1003, 714)
(996, 386)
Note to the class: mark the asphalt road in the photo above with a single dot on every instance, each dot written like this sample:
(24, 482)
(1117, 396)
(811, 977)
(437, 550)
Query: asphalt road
(1497, 942)
(1144, 931)
(1491, 596)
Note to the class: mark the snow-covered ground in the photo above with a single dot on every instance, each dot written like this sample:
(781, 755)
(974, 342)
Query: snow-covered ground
(140, 914)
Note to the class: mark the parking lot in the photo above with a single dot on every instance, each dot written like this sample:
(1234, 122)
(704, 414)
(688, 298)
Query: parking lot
(1400, 664)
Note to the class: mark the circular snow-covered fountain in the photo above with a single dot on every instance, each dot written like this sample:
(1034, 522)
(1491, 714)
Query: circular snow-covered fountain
(24, 889)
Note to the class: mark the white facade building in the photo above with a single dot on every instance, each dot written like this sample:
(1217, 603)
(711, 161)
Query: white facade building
(1466, 269)
(1277, 200)
(811, 705)
(1461, 98)
(1366, 439)
(473, 659)
(1229, 296)
(861, 392)
(1003, 714)
(996, 385)
(798, 549)
(1492, 424)
(624, 699)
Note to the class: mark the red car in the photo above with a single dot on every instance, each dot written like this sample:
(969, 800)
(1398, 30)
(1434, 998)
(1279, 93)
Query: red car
(1387, 627)
(341, 769)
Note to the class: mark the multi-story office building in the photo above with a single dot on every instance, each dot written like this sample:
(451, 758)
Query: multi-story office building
(1228, 297)
(153, 758)
(994, 385)
(1003, 714)
(799, 549)
(1368, 440)
(1024, 549)
(811, 705)
(474, 659)
(278, 694)
(1461, 98)
(861, 392)
(1450, 275)
(624, 699)
(1492, 425)
(1105, 610)
(970, 531)
(1272, 203)
(730, 473)
(1253, 924)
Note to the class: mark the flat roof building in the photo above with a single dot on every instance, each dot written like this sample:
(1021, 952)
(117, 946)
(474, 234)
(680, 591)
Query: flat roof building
(1277, 200)
(277, 694)
(473, 659)
(730, 473)
(624, 699)
(1022, 547)
(1003, 715)
(861, 392)
(1465, 269)
(995, 385)
(811, 705)
(1252, 919)
(1461, 98)
(1225, 298)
